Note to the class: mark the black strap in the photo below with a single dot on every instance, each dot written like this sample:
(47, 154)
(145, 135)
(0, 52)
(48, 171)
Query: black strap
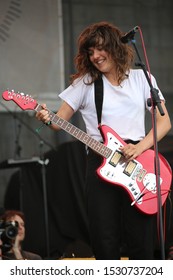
(98, 86)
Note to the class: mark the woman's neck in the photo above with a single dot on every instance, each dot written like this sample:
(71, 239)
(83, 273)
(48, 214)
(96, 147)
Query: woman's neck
(112, 78)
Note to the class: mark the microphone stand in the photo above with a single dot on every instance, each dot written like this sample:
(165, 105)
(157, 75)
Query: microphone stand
(154, 101)
(15, 116)
(43, 163)
(18, 146)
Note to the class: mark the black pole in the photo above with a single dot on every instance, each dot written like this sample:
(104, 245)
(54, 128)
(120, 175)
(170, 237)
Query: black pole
(43, 163)
(154, 101)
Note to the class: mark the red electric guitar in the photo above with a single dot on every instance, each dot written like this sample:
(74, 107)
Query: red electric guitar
(137, 177)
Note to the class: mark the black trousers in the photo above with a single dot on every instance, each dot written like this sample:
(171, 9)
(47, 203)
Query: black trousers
(113, 221)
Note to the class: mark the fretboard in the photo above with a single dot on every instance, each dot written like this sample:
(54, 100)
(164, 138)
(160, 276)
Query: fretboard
(78, 134)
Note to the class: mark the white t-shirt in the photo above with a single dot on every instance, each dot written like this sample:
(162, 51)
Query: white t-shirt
(123, 106)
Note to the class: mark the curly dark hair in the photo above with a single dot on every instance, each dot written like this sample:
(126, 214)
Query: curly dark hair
(110, 35)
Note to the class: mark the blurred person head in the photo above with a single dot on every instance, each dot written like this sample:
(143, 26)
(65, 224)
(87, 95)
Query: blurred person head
(16, 216)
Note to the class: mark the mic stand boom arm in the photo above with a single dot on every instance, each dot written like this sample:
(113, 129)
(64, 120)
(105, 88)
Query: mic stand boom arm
(154, 101)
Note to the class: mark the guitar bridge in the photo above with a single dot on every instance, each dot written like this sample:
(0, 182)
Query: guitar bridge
(141, 175)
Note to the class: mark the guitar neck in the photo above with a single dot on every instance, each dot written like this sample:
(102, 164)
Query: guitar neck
(78, 133)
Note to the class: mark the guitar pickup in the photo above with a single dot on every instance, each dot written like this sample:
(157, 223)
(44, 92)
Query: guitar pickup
(115, 159)
(130, 167)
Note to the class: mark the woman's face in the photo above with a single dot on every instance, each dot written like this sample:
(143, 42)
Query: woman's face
(101, 59)
(21, 226)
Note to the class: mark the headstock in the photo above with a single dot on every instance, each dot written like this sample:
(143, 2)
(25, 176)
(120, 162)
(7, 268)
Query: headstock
(24, 101)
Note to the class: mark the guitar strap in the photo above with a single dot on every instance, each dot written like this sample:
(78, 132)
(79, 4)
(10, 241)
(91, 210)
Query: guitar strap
(98, 88)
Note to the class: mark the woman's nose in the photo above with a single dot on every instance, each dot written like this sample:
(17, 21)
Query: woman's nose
(95, 54)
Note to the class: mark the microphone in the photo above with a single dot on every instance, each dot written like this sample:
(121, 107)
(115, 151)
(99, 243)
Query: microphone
(129, 35)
